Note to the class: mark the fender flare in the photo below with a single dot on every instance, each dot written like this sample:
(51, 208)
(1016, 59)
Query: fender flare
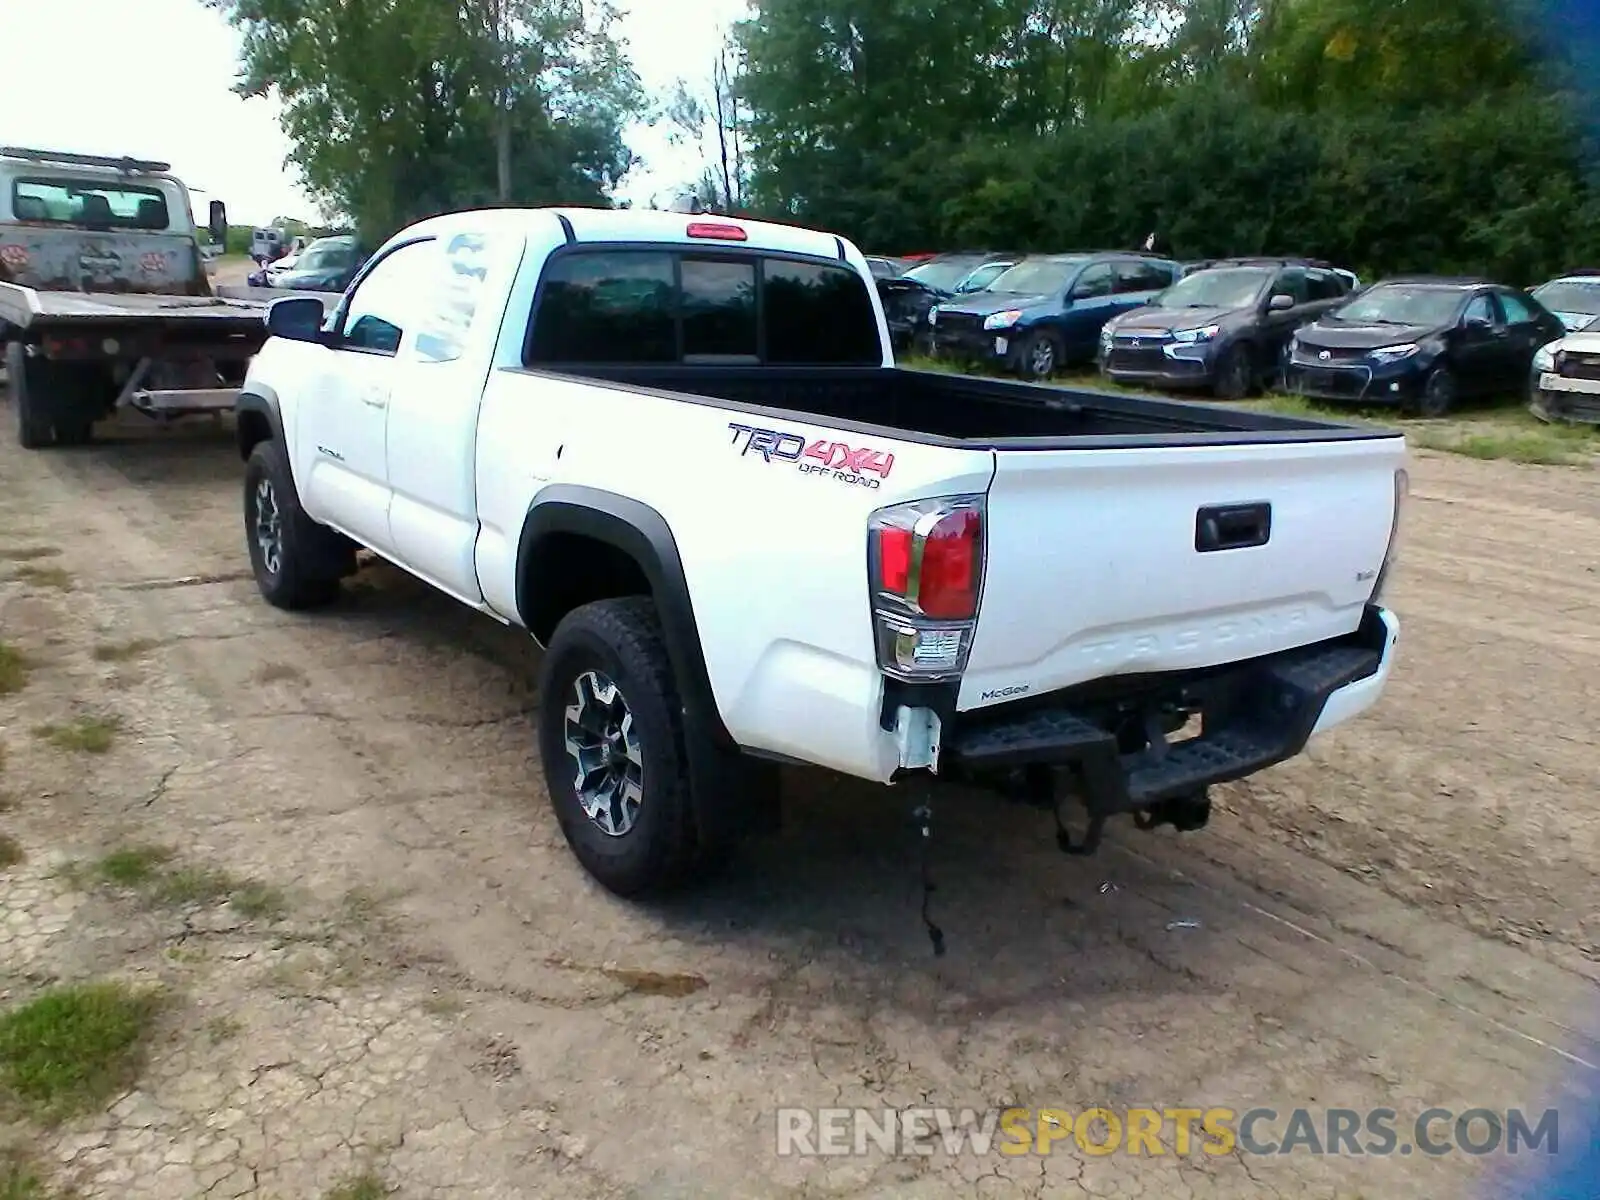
(257, 398)
(642, 533)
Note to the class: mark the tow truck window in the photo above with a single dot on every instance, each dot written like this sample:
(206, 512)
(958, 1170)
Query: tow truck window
(75, 202)
(624, 307)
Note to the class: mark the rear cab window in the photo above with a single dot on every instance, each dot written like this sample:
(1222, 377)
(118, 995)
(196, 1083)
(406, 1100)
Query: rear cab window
(598, 306)
(92, 204)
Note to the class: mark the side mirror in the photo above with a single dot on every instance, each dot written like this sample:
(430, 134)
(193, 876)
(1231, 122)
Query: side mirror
(298, 318)
(1476, 323)
(1280, 302)
(217, 223)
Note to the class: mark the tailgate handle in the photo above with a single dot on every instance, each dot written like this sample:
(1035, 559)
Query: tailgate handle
(1232, 526)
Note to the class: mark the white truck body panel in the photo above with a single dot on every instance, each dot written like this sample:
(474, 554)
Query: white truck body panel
(1091, 568)
(1114, 584)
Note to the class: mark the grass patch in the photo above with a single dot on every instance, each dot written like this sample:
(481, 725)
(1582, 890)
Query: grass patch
(123, 651)
(13, 670)
(71, 1049)
(45, 577)
(279, 673)
(442, 1004)
(87, 735)
(1512, 440)
(21, 1179)
(256, 901)
(368, 1185)
(132, 866)
(151, 871)
(223, 1029)
(24, 554)
(192, 885)
(11, 852)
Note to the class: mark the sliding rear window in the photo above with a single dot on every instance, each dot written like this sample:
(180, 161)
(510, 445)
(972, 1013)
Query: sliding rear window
(650, 306)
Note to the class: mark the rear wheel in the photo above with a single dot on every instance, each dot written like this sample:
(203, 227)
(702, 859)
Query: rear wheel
(27, 384)
(612, 740)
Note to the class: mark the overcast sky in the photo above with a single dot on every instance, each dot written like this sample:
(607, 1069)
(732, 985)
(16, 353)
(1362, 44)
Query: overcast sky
(151, 78)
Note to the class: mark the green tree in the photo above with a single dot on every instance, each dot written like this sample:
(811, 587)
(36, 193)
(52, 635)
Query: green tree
(396, 109)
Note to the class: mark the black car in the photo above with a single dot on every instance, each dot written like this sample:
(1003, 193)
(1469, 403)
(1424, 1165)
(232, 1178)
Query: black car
(1223, 327)
(1047, 311)
(908, 297)
(1423, 343)
(883, 267)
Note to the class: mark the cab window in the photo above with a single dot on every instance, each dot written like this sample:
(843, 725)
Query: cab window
(637, 306)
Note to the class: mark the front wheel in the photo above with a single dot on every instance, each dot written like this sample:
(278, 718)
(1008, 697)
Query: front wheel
(296, 562)
(612, 740)
(1038, 357)
(1438, 395)
(1236, 374)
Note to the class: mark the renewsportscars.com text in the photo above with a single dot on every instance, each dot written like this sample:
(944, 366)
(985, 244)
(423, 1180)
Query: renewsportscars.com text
(1159, 1132)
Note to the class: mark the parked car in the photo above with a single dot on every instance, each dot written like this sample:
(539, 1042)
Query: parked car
(1224, 327)
(290, 259)
(1574, 297)
(1047, 312)
(1564, 382)
(885, 268)
(945, 622)
(1423, 343)
(910, 296)
(326, 265)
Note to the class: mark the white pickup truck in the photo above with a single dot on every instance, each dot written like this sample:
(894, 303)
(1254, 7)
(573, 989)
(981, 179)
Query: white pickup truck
(676, 450)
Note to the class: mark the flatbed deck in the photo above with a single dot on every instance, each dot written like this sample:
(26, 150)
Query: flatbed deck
(25, 307)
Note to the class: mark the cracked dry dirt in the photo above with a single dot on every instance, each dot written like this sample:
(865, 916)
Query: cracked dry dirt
(1407, 916)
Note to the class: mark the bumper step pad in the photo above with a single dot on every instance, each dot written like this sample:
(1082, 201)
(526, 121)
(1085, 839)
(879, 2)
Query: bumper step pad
(1264, 715)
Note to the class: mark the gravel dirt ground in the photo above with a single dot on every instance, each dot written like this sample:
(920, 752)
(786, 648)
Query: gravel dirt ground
(1406, 916)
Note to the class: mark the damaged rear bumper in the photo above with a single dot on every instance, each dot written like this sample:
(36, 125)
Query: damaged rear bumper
(1253, 714)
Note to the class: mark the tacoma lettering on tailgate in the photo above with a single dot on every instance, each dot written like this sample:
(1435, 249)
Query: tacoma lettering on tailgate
(822, 457)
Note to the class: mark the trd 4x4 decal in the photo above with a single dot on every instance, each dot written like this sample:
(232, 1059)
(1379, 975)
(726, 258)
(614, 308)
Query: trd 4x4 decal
(823, 457)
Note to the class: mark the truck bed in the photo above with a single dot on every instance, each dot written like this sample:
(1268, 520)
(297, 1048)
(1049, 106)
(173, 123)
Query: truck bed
(932, 406)
(25, 307)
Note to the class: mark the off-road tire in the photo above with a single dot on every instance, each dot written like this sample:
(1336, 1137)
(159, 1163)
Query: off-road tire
(311, 557)
(622, 639)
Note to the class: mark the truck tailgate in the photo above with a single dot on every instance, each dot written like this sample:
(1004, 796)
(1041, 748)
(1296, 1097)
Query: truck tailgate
(1100, 561)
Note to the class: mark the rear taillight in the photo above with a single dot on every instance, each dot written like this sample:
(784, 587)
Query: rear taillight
(925, 561)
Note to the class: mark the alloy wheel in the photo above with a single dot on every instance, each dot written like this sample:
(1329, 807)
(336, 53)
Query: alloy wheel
(269, 527)
(607, 760)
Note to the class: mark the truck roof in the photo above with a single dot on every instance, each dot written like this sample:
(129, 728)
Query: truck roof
(98, 164)
(635, 225)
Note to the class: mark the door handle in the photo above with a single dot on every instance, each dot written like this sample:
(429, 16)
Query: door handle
(375, 398)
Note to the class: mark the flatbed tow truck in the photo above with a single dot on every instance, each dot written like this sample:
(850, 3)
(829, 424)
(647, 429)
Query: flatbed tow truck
(105, 302)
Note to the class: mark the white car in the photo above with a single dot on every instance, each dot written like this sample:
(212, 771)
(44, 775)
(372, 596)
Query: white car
(675, 449)
(1566, 379)
(1575, 299)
